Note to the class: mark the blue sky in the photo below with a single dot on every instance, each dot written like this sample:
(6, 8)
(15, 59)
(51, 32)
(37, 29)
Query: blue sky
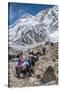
(16, 10)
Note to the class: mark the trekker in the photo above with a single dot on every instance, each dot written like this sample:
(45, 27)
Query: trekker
(44, 49)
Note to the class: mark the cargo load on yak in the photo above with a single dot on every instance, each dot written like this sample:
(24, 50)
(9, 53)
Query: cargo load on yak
(25, 64)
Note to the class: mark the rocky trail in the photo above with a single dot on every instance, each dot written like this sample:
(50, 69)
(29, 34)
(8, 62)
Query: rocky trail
(45, 70)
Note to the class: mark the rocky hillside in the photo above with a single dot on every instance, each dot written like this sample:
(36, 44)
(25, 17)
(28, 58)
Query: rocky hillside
(45, 69)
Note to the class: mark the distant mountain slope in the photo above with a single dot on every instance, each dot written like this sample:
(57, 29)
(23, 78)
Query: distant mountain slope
(32, 30)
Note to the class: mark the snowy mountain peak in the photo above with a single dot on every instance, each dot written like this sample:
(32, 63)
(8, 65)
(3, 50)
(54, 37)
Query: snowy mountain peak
(32, 30)
(26, 15)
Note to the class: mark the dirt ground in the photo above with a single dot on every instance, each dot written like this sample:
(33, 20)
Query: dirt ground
(49, 59)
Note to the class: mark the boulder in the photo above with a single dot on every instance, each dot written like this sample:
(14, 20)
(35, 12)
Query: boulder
(48, 75)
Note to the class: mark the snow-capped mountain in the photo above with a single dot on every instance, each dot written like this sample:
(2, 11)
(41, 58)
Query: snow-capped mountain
(32, 30)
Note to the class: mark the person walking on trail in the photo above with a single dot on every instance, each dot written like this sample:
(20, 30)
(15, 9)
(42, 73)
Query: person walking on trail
(44, 50)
